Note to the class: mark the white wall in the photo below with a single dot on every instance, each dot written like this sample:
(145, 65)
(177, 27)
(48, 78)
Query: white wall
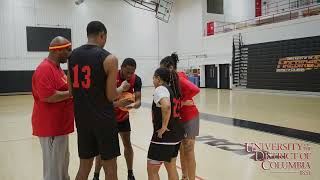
(135, 33)
(239, 10)
(219, 47)
(189, 26)
(189, 31)
(234, 11)
(131, 32)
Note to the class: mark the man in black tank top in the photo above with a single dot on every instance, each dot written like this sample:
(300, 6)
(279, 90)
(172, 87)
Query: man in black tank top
(92, 77)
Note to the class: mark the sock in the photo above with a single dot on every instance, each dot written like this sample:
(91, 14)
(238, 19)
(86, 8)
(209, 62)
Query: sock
(130, 173)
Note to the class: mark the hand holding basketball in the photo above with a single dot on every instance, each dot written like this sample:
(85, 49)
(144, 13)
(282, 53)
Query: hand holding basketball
(125, 100)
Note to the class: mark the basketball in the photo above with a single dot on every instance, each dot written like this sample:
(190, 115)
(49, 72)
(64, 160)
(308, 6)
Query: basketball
(126, 96)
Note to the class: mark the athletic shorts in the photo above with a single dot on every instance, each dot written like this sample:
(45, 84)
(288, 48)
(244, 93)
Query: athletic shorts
(99, 140)
(191, 128)
(162, 153)
(124, 126)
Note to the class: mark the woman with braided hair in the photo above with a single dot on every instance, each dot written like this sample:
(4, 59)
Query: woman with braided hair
(189, 118)
(167, 129)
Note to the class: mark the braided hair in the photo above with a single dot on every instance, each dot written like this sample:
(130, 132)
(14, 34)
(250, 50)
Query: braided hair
(170, 61)
(170, 78)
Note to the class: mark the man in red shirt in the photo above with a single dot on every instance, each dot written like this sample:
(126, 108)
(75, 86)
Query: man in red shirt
(52, 117)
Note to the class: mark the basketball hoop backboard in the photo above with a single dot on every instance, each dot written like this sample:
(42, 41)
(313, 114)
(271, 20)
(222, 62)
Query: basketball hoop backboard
(162, 8)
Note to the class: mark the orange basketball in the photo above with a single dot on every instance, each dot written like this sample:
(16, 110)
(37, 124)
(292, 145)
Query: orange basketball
(126, 96)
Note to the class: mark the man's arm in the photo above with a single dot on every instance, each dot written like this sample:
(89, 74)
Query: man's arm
(46, 91)
(110, 66)
(58, 96)
(137, 103)
(125, 86)
(137, 94)
(69, 83)
(122, 103)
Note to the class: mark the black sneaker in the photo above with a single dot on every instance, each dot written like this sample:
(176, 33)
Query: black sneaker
(131, 178)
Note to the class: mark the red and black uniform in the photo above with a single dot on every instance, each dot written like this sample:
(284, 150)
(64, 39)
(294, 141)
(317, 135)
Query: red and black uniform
(94, 113)
(167, 147)
(123, 116)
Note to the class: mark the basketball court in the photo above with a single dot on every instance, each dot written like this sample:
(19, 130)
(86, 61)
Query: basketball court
(252, 126)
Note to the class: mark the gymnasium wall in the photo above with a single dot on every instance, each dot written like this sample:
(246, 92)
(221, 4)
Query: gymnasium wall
(234, 11)
(131, 33)
(188, 33)
(219, 47)
(272, 66)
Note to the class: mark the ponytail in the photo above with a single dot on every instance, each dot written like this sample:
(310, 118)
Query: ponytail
(170, 61)
(175, 59)
(171, 78)
(174, 84)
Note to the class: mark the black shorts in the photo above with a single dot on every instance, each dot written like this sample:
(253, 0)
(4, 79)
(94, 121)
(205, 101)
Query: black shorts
(161, 152)
(99, 140)
(124, 126)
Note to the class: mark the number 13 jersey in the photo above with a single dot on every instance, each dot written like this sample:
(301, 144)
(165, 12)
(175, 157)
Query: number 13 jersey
(88, 81)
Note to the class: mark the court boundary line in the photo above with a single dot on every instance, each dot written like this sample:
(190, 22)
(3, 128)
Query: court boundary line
(262, 127)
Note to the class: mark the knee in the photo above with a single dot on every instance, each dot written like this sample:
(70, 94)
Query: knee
(153, 167)
(86, 164)
(111, 171)
(127, 145)
(171, 167)
(126, 141)
(188, 147)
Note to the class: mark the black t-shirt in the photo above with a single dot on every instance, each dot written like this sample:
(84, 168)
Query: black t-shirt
(88, 78)
(137, 84)
(176, 133)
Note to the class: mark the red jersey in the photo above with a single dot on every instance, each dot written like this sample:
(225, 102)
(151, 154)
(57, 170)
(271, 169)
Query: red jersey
(124, 115)
(188, 91)
(50, 119)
